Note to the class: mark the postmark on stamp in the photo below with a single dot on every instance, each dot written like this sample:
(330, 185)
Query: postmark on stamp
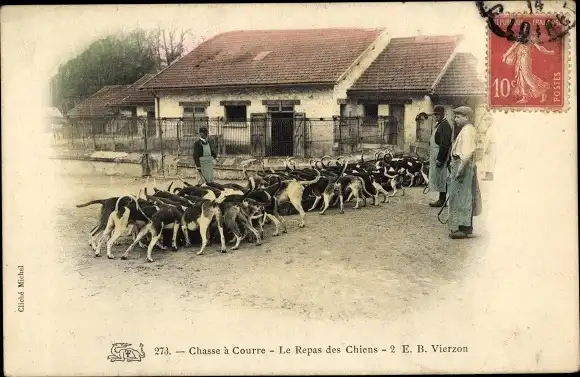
(526, 59)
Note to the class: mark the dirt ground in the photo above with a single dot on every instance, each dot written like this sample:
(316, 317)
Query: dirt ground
(374, 263)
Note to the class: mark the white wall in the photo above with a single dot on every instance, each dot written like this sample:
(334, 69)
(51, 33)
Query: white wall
(141, 112)
(417, 106)
(383, 110)
(313, 102)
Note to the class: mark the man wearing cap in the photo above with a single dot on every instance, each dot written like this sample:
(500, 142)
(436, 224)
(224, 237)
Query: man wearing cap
(204, 155)
(463, 187)
(439, 144)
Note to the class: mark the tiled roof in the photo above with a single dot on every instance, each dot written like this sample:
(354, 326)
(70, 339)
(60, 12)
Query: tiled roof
(97, 104)
(133, 96)
(408, 64)
(461, 78)
(117, 96)
(268, 57)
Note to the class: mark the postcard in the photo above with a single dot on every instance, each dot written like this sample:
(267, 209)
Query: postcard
(258, 189)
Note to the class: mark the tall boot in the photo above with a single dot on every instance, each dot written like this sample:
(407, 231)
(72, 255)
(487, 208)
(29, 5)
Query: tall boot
(441, 201)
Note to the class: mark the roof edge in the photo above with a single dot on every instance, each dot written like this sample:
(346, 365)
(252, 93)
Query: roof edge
(447, 63)
(383, 33)
(324, 83)
(390, 91)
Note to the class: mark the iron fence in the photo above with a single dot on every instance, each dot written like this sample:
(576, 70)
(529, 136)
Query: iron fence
(262, 135)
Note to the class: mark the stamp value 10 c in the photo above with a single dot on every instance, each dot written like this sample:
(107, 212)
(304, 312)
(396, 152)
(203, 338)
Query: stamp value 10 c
(526, 70)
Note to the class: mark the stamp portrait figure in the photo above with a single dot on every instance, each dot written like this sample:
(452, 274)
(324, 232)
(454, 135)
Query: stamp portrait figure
(526, 83)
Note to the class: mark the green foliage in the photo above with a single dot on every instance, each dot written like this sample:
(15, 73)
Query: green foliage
(119, 59)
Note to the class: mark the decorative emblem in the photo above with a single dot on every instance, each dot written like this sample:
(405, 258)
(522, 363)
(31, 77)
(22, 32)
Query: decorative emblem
(123, 352)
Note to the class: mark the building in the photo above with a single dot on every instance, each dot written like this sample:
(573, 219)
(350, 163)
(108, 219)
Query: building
(408, 78)
(54, 122)
(133, 101)
(114, 107)
(264, 83)
(305, 92)
(97, 104)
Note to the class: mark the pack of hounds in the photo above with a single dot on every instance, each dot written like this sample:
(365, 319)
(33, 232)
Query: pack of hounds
(206, 211)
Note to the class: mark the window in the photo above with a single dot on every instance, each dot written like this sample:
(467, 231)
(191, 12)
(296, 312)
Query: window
(235, 114)
(280, 109)
(194, 112)
(343, 114)
(371, 116)
(372, 111)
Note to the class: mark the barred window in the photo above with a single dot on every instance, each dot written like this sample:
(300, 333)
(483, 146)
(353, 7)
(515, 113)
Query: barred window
(235, 114)
(194, 112)
(371, 112)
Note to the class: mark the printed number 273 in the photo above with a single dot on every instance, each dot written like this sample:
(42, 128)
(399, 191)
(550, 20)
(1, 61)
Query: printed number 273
(161, 351)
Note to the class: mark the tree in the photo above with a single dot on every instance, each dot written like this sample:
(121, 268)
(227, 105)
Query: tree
(118, 59)
(170, 44)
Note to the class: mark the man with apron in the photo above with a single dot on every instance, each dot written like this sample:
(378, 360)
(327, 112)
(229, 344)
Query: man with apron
(464, 196)
(204, 155)
(439, 146)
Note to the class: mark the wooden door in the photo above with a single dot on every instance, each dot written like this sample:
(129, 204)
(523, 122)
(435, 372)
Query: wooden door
(398, 112)
(300, 134)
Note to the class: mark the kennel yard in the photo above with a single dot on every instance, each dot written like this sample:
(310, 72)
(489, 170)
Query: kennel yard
(375, 262)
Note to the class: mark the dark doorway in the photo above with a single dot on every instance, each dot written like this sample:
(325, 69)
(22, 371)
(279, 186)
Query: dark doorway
(282, 133)
(151, 123)
(398, 112)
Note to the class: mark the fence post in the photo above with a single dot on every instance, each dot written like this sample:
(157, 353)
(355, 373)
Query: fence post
(354, 139)
(178, 137)
(340, 134)
(92, 126)
(162, 145)
(113, 125)
(146, 169)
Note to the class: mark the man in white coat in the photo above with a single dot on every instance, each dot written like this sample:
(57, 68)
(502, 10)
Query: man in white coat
(464, 197)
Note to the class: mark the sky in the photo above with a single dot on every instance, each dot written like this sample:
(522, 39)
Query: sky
(43, 37)
(58, 33)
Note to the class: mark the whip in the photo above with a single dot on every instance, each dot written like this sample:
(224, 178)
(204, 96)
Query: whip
(441, 211)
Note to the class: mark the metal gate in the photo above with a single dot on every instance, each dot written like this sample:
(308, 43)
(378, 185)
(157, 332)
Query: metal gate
(301, 135)
(258, 128)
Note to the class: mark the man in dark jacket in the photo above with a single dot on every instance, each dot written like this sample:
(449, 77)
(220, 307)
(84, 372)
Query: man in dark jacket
(204, 155)
(440, 145)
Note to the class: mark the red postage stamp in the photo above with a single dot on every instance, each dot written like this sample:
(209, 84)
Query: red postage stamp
(526, 62)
